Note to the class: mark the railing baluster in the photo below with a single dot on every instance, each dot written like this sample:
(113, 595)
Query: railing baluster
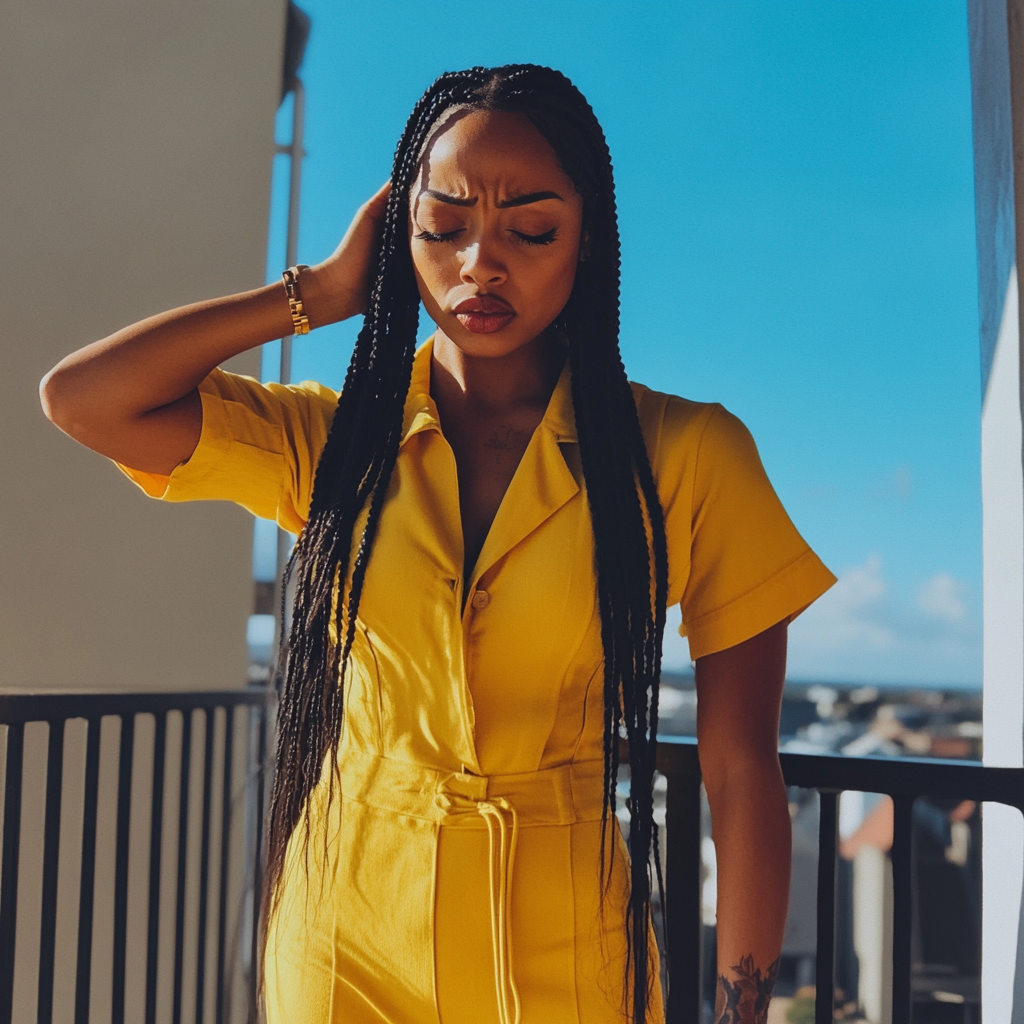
(124, 810)
(51, 861)
(257, 874)
(682, 913)
(56, 709)
(828, 841)
(156, 838)
(87, 884)
(204, 864)
(903, 906)
(225, 847)
(9, 878)
(179, 915)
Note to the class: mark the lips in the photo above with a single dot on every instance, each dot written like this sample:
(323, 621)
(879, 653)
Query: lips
(484, 314)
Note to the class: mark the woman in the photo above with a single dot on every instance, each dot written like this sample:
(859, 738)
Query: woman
(490, 530)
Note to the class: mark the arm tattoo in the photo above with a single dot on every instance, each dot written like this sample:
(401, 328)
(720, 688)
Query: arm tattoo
(745, 1001)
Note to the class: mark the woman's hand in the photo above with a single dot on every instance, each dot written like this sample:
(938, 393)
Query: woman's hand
(133, 396)
(339, 287)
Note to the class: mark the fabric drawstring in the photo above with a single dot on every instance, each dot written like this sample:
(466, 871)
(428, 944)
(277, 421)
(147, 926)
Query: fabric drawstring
(502, 833)
(561, 795)
(494, 812)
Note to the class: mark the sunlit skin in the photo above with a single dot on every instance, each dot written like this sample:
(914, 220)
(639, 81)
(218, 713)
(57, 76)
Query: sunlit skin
(495, 230)
(493, 214)
(132, 397)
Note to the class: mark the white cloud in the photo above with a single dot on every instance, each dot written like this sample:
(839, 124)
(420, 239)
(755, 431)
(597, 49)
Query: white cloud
(939, 598)
(851, 614)
(862, 631)
(897, 485)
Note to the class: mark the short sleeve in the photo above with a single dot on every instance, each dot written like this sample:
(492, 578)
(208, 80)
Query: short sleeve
(259, 447)
(737, 564)
(749, 567)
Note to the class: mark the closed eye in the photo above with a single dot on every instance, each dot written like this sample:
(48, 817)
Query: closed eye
(545, 239)
(429, 236)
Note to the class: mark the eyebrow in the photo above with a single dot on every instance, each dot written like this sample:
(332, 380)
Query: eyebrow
(532, 197)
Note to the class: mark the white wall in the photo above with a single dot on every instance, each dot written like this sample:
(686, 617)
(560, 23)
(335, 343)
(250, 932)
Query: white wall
(135, 156)
(1003, 695)
(996, 108)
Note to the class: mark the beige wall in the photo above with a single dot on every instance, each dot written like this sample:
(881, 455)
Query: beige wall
(136, 143)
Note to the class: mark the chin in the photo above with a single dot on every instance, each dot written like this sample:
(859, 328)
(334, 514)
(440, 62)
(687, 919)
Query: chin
(487, 346)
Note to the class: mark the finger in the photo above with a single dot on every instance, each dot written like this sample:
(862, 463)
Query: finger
(377, 203)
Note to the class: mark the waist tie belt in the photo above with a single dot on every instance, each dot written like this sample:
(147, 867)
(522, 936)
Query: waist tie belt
(500, 803)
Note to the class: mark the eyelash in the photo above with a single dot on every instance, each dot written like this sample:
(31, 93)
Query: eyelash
(545, 239)
(429, 236)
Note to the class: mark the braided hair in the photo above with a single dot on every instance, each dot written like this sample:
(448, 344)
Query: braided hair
(630, 554)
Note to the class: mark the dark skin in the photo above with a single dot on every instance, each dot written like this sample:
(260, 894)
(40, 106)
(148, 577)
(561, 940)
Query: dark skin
(515, 232)
(488, 445)
(492, 214)
(738, 747)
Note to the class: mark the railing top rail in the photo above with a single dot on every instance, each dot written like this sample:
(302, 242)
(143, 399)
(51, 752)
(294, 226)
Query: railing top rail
(896, 776)
(19, 708)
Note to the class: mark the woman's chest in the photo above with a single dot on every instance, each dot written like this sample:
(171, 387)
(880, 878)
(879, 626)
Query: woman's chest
(487, 452)
(493, 665)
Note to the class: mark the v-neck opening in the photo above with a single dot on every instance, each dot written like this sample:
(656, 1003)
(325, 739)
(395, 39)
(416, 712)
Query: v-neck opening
(552, 484)
(470, 577)
(469, 573)
(552, 481)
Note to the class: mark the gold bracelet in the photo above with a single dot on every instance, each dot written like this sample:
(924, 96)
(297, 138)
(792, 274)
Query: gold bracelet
(300, 322)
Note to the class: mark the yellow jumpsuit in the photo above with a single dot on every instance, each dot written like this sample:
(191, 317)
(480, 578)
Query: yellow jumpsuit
(455, 877)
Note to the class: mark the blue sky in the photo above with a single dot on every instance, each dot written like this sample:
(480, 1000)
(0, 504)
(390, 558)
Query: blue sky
(796, 203)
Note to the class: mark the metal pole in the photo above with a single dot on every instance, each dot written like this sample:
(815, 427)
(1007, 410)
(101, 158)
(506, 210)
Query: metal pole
(295, 152)
(294, 193)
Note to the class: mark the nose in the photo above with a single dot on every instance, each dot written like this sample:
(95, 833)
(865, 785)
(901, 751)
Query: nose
(480, 266)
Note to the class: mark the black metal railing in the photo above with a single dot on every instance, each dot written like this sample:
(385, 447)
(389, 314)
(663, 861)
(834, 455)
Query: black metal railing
(198, 927)
(219, 751)
(903, 779)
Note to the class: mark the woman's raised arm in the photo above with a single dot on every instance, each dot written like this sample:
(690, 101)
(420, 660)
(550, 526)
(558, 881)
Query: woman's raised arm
(132, 396)
(739, 693)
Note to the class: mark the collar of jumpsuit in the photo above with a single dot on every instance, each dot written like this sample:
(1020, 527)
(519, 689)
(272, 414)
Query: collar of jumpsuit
(543, 481)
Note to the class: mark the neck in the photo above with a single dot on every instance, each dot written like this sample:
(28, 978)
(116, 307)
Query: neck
(494, 384)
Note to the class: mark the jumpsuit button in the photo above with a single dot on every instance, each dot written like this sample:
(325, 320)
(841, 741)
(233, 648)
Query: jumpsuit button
(481, 599)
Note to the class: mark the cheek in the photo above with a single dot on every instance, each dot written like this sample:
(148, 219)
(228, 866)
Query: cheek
(560, 277)
(422, 261)
(544, 285)
(431, 268)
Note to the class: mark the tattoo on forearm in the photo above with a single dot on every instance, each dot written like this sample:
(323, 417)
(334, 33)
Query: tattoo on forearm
(744, 1000)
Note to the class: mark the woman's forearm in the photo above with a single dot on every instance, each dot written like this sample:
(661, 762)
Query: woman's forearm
(132, 396)
(753, 839)
(157, 360)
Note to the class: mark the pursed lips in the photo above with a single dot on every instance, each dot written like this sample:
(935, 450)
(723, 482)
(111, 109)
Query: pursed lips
(484, 314)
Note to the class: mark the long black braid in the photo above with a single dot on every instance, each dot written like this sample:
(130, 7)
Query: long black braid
(356, 464)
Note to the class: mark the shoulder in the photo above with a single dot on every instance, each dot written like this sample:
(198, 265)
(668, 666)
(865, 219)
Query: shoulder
(678, 431)
(286, 418)
(270, 399)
